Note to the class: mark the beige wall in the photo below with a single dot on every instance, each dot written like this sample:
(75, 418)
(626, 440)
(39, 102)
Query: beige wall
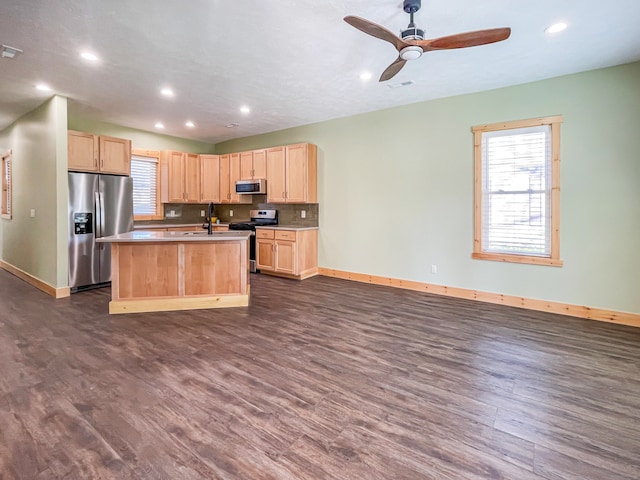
(37, 245)
(396, 189)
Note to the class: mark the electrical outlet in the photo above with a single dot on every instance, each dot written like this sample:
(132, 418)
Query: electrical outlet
(434, 269)
(202, 213)
(303, 214)
(32, 213)
(231, 213)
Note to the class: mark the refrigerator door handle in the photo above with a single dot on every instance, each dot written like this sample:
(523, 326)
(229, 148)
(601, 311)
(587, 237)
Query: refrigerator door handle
(98, 214)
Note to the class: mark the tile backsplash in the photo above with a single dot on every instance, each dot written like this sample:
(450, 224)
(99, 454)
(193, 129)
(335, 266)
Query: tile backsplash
(288, 214)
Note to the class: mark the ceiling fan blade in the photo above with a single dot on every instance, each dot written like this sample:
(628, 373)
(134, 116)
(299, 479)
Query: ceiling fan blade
(464, 40)
(392, 69)
(375, 30)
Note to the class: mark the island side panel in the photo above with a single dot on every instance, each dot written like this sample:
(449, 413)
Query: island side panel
(147, 270)
(213, 267)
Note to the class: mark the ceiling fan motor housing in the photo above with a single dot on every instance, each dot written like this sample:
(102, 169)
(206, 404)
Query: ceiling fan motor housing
(411, 6)
(412, 33)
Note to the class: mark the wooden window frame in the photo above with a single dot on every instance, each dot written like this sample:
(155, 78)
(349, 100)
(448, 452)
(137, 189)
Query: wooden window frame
(554, 258)
(7, 186)
(159, 205)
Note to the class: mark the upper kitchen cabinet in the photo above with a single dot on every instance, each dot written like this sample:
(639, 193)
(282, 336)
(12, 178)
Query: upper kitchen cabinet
(292, 174)
(229, 174)
(210, 178)
(253, 164)
(93, 153)
(180, 177)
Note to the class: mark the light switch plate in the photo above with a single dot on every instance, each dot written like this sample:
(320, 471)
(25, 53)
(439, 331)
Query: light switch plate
(303, 214)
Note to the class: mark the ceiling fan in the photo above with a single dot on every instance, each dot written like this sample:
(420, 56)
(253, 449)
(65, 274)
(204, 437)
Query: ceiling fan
(411, 43)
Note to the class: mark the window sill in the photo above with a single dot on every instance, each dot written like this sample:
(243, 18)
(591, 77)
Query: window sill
(502, 257)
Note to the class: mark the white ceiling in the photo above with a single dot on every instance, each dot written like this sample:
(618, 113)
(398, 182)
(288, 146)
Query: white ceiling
(294, 62)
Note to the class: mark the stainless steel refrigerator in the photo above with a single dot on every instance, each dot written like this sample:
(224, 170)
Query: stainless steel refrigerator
(99, 206)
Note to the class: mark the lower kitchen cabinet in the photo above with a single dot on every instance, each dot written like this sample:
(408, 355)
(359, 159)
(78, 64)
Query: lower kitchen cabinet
(288, 253)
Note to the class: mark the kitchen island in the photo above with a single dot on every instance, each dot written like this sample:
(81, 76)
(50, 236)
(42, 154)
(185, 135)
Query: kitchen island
(155, 271)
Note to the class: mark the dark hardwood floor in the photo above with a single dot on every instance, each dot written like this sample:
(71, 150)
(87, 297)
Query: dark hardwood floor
(316, 379)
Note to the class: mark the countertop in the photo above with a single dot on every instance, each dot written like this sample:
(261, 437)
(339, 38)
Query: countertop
(149, 236)
(196, 226)
(284, 227)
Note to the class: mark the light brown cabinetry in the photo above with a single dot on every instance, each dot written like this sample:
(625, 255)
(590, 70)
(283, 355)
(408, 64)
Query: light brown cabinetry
(210, 178)
(288, 253)
(292, 175)
(98, 153)
(182, 184)
(253, 164)
(229, 174)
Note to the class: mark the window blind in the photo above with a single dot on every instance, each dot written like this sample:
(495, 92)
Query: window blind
(516, 191)
(144, 172)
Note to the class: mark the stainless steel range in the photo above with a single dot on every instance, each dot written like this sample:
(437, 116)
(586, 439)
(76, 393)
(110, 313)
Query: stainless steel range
(258, 218)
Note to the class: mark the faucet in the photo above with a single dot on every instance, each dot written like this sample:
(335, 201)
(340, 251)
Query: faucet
(210, 228)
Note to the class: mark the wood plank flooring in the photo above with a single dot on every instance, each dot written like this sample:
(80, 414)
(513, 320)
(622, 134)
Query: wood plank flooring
(320, 379)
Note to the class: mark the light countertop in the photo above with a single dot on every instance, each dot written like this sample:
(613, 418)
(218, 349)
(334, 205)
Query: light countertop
(196, 226)
(284, 227)
(162, 236)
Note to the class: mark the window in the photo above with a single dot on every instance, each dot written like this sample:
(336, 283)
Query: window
(517, 191)
(146, 180)
(6, 185)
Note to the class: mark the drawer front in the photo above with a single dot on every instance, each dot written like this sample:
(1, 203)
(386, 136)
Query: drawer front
(262, 233)
(286, 235)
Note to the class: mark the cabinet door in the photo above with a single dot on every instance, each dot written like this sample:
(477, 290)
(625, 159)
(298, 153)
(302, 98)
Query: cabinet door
(286, 257)
(82, 151)
(115, 155)
(225, 174)
(265, 258)
(296, 173)
(246, 165)
(176, 177)
(276, 175)
(192, 177)
(234, 175)
(259, 164)
(210, 178)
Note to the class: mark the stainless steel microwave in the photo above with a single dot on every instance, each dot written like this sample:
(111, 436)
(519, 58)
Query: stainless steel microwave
(250, 187)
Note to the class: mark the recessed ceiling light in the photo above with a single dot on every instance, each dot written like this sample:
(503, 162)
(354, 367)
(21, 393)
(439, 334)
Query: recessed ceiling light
(556, 27)
(92, 57)
(190, 124)
(159, 125)
(167, 92)
(365, 76)
(245, 109)
(232, 125)
(43, 88)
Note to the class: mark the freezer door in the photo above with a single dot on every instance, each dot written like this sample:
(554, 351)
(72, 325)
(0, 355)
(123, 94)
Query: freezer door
(116, 215)
(84, 259)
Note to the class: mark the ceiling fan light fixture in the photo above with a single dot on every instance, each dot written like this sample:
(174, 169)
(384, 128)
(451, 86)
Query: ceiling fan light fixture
(411, 52)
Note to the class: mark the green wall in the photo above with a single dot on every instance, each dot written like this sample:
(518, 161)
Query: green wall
(139, 138)
(39, 144)
(396, 189)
